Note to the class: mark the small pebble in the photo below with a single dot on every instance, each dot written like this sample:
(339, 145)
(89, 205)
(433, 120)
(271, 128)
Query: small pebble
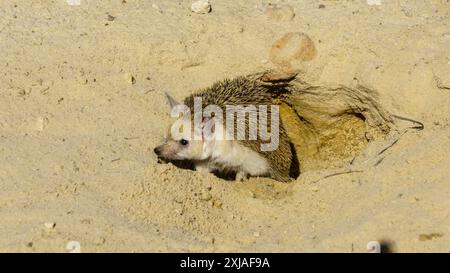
(217, 204)
(86, 221)
(407, 12)
(73, 247)
(50, 225)
(130, 78)
(157, 8)
(256, 234)
(201, 6)
(41, 123)
(73, 2)
(374, 2)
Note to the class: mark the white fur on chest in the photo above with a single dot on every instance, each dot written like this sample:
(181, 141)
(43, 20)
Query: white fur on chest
(232, 155)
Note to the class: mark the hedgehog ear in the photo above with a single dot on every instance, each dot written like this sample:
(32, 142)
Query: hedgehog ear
(172, 102)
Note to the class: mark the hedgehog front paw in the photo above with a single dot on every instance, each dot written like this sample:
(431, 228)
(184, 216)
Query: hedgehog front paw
(241, 176)
(203, 167)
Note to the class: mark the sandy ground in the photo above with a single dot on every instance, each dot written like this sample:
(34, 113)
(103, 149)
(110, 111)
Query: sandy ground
(82, 106)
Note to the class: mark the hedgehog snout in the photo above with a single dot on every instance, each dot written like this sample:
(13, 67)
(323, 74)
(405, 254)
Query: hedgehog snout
(157, 150)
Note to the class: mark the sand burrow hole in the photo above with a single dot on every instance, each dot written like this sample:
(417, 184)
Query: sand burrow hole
(329, 125)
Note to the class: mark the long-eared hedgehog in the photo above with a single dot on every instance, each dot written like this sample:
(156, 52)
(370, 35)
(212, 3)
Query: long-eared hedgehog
(244, 106)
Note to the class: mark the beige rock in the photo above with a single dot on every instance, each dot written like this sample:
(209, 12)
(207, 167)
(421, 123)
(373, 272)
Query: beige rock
(291, 47)
(280, 13)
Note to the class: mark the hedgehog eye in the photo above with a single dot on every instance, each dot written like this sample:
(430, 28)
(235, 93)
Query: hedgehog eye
(184, 142)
